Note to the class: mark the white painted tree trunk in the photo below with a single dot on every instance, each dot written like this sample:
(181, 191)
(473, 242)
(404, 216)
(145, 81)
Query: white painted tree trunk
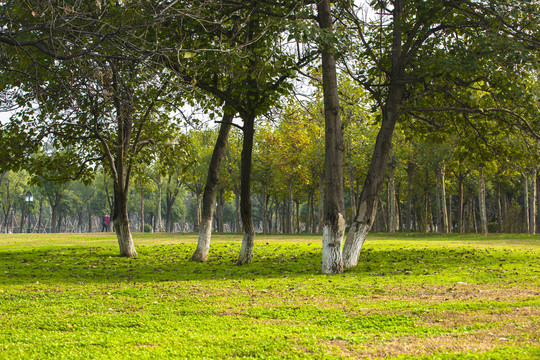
(332, 262)
(354, 243)
(203, 245)
(123, 234)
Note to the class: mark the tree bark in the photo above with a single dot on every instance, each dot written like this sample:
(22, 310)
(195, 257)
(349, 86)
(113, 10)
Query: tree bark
(532, 207)
(321, 202)
(482, 201)
(121, 219)
(369, 197)
(158, 210)
(334, 205)
(248, 240)
(526, 204)
(410, 174)
(142, 206)
(210, 190)
(264, 210)
(392, 199)
(445, 227)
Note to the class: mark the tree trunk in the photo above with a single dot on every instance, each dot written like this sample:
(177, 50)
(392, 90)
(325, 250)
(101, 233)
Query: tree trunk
(499, 208)
(248, 240)
(532, 207)
(89, 218)
(197, 224)
(482, 202)
(321, 202)
(121, 220)
(445, 227)
(352, 194)
(369, 197)
(460, 204)
(392, 199)
(439, 221)
(334, 205)
(537, 202)
(142, 206)
(238, 220)
(264, 206)
(210, 190)
(410, 174)
(158, 210)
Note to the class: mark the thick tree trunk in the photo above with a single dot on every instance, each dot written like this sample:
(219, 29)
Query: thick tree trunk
(248, 241)
(121, 221)
(482, 202)
(210, 190)
(334, 205)
(369, 197)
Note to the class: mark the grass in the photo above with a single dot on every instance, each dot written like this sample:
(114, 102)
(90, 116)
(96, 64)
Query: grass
(411, 297)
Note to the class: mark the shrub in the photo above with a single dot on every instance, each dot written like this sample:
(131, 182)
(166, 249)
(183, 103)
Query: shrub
(148, 228)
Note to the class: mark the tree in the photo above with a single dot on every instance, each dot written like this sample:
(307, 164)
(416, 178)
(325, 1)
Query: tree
(399, 63)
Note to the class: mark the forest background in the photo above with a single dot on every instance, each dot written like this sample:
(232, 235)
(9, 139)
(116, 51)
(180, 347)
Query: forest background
(98, 92)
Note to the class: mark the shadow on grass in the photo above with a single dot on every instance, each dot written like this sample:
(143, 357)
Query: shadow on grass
(171, 263)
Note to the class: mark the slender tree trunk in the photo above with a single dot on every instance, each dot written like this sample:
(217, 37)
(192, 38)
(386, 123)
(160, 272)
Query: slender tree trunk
(482, 202)
(526, 204)
(197, 224)
(238, 217)
(334, 205)
(443, 200)
(248, 240)
(352, 194)
(392, 199)
(532, 207)
(210, 190)
(142, 206)
(264, 210)
(158, 210)
(537, 202)
(290, 210)
(369, 197)
(410, 174)
(321, 202)
(439, 221)
(499, 208)
(460, 205)
(89, 218)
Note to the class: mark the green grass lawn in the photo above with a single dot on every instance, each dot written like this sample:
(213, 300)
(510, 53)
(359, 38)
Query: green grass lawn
(412, 297)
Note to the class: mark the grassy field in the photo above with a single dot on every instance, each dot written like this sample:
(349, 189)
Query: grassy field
(411, 297)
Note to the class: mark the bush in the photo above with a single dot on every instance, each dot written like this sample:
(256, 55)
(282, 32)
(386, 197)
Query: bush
(148, 228)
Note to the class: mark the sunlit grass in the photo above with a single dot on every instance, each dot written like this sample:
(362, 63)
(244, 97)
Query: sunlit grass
(412, 296)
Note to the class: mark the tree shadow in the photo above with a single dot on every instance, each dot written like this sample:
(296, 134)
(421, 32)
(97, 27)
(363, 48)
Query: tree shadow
(80, 265)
